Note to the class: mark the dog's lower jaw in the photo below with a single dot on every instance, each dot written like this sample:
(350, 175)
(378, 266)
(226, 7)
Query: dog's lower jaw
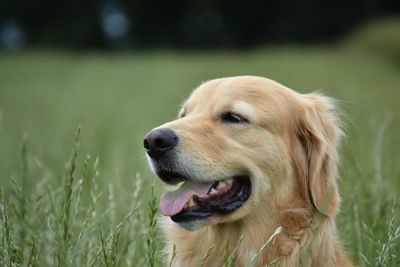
(192, 225)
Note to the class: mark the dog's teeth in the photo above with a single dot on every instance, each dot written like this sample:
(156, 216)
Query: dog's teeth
(190, 202)
(213, 191)
(221, 185)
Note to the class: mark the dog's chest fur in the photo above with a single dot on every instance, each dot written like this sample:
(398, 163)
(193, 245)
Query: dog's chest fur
(296, 245)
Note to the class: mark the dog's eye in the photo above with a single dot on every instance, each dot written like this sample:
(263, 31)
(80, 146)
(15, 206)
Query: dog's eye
(230, 117)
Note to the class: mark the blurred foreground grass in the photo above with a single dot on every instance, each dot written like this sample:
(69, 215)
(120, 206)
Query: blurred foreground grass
(98, 210)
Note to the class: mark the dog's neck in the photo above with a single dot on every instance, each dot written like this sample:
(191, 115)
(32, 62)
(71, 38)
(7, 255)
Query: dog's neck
(292, 247)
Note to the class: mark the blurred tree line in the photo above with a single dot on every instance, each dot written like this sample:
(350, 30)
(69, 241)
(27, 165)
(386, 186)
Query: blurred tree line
(197, 23)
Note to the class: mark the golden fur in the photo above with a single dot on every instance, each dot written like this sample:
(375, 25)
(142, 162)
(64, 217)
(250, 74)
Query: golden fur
(289, 150)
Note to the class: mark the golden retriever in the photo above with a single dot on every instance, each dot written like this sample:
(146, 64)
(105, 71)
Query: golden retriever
(250, 156)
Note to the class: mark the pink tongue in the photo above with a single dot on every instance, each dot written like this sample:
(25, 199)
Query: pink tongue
(171, 203)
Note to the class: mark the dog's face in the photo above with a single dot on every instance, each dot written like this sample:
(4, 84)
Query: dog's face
(241, 144)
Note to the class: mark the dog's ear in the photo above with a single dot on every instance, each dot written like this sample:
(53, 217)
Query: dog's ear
(317, 134)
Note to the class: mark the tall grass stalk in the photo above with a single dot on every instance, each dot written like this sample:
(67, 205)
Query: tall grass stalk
(203, 261)
(152, 230)
(66, 204)
(253, 260)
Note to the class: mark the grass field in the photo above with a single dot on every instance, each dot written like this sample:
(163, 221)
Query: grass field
(94, 205)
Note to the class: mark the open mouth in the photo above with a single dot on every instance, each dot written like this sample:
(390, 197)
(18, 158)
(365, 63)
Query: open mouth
(199, 201)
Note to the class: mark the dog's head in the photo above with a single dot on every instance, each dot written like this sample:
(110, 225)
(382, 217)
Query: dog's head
(241, 144)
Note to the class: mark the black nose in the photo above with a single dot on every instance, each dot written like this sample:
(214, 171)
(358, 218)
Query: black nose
(159, 141)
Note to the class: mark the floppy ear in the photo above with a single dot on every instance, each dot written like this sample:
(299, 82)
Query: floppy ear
(318, 134)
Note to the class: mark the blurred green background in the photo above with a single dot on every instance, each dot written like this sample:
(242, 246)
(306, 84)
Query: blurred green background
(116, 97)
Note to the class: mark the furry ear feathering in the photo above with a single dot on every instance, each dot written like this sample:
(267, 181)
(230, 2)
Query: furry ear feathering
(317, 136)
